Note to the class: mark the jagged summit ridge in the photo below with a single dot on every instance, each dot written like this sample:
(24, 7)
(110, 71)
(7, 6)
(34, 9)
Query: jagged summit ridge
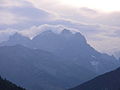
(68, 45)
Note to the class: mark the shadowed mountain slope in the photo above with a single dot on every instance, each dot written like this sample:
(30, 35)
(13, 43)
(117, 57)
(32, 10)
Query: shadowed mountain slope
(73, 47)
(108, 81)
(40, 70)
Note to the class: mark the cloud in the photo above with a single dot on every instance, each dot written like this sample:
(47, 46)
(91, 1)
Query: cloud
(101, 29)
(8, 18)
(107, 45)
(43, 9)
(100, 38)
(90, 16)
(81, 14)
(4, 34)
(16, 13)
(111, 19)
(13, 3)
(35, 30)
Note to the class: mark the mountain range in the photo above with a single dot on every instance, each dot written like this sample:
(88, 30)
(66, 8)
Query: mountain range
(52, 61)
(68, 45)
(40, 70)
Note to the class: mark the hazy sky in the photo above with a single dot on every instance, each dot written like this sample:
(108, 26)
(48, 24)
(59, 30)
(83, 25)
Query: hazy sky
(98, 20)
(103, 5)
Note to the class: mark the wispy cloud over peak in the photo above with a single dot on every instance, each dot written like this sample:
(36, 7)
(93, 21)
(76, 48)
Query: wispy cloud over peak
(32, 16)
(35, 30)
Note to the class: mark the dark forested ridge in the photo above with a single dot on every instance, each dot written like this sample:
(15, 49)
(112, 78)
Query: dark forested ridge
(108, 81)
(7, 85)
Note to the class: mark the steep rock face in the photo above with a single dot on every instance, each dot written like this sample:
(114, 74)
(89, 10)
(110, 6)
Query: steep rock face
(74, 62)
(57, 42)
(75, 49)
(71, 46)
(108, 81)
(117, 54)
(7, 85)
(16, 39)
(37, 69)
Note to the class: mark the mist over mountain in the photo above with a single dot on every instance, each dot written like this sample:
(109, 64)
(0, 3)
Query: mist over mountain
(18, 15)
(73, 47)
(117, 54)
(59, 44)
(17, 39)
(108, 81)
(52, 61)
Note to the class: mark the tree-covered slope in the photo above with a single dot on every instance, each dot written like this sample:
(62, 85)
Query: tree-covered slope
(7, 85)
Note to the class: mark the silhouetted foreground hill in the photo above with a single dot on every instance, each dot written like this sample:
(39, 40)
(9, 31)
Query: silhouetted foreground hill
(108, 81)
(7, 85)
